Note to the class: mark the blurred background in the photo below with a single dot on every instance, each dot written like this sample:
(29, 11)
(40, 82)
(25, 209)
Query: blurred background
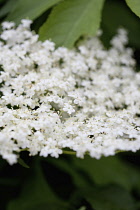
(111, 183)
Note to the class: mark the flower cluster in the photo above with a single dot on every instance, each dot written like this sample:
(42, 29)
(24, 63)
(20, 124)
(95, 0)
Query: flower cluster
(86, 99)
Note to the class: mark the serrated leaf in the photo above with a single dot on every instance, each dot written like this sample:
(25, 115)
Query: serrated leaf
(71, 19)
(134, 6)
(30, 9)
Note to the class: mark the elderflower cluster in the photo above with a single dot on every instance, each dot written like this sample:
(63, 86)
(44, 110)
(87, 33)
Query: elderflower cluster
(86, 99)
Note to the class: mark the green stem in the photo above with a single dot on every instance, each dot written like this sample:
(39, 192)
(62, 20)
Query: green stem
(26, 149)
(69, 152)
(64, 151)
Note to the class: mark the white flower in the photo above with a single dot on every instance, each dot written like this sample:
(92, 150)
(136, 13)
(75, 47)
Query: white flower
(8, 25)
(85, 99)
(26, 23)
(68, 108)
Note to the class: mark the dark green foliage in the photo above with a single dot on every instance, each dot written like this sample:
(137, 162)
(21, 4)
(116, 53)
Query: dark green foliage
(36, 193)
(116, 14)
(7, 8)
(69, 183)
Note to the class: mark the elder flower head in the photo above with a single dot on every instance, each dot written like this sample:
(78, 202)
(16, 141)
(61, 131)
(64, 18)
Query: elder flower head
(85, 99)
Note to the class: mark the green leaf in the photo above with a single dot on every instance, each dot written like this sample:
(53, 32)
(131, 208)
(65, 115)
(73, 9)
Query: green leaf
(116, 14)
(71, 19)
(109, 198)
(36, 194)
(67, 167)
(134, 6)
(7, 7)
(22, 163)
(108, 170)
(30, 9)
